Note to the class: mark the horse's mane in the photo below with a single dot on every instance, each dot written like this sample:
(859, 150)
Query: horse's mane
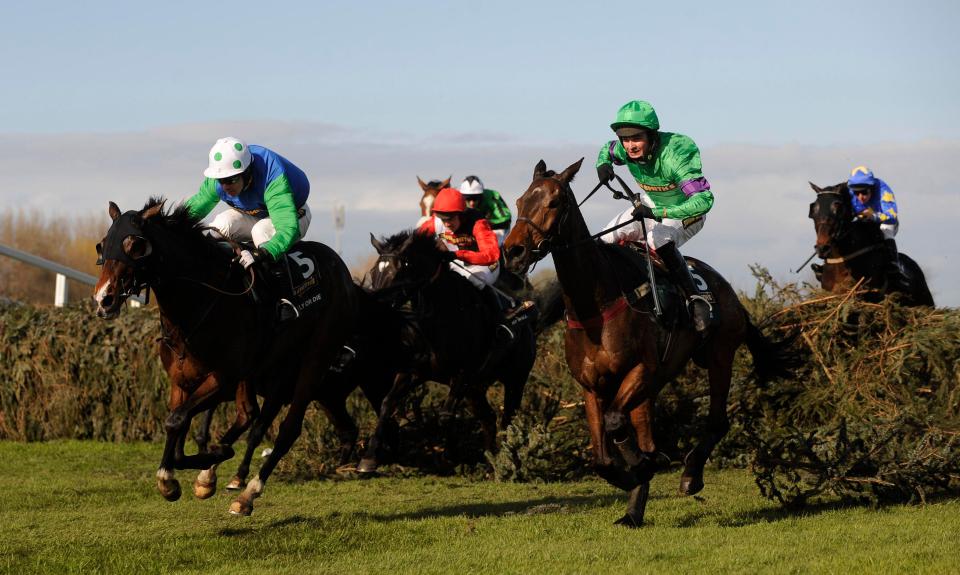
(394, 242)
(434, 183)
(422, 243)
(181, 222)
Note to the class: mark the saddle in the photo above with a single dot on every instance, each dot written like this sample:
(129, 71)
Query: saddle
(294, 278)
(672, 298)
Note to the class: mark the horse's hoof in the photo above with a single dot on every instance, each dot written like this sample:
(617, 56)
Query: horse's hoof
(236, 484)
(169, 488)
(204, 490)
(241, 507)
(368, 466)
(690, 485)
(629, 521)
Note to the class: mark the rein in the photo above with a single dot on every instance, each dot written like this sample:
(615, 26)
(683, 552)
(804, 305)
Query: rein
(855, 254)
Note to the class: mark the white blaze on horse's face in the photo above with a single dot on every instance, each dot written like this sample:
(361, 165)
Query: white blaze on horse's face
(426, 205)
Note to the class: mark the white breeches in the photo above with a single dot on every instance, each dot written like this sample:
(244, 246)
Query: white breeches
(658, 233)
(241, 227)
(479, 276)
(501, 235)
(889, 231)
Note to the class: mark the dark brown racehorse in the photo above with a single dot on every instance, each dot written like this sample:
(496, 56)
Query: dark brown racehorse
(616, 348)
(852, 250)
(430, 191)
(459, 330)
(218, 343)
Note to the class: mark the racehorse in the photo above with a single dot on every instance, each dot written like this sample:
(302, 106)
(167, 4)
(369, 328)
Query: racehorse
(851, 250)
(430, 191)
(616, 347)
(216, 345)
(451, 316)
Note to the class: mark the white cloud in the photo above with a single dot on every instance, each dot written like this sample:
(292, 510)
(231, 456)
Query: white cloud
(759, 216)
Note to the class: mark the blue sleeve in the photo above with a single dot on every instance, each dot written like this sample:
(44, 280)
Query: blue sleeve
(888, 205)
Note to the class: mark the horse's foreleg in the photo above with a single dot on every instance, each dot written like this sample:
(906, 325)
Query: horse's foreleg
(177, 426)
(636, 506)
(720, 371)
(402, 383)
(477, 397)
(628, 423)
(605, 466)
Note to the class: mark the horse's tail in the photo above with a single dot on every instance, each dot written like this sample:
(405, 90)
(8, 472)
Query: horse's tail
(919, 293)
(771, 358)
(548, 295)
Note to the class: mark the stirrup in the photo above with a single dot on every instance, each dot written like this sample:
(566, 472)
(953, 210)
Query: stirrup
(517, 310)
(691, 305)
(287, 310)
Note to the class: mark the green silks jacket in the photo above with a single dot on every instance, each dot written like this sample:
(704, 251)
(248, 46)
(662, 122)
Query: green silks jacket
(672, 176)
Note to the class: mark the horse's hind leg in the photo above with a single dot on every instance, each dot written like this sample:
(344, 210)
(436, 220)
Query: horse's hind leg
(202, 435)
(345, 426)
(402, 384)
(720, 371)
(271, 407)
(477, 396)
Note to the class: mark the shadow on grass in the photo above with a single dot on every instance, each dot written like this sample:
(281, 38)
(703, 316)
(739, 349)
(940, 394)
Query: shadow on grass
(541, 506)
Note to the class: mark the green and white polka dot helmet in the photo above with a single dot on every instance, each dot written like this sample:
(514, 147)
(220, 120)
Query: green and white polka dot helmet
(228, 157)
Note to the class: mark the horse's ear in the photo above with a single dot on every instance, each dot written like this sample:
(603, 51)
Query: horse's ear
(568, 174)
(113, 210)
(377, 244)
(152, 211)
(539, 169)
(446, 183)
(815, 187)
(423, 186)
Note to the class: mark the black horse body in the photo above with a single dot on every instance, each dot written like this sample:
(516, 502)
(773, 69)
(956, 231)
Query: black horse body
(852, 251)
(216, 339)
(459, 330)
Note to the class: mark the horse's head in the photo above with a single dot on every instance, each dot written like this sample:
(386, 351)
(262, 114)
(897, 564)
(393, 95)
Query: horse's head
(831, 213)
(123, 254)
(541, 211)
(385, 269)
(430, 191)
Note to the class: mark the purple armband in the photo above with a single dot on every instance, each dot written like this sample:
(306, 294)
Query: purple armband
(613, 158)
(694, 186)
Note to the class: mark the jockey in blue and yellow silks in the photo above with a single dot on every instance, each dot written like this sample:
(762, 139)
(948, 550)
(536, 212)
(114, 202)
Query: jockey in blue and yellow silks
(872, 201)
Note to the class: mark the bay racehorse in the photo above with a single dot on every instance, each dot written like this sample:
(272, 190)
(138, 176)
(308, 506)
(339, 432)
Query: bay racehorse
(853, 250)
(217, 342)
(618, 350)
(452, 317)
(430, 191)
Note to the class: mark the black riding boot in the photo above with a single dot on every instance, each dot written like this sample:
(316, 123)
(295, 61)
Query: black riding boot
(274, 286)
(892, 269)
(817, 270)
(504, 334)
(700, 309)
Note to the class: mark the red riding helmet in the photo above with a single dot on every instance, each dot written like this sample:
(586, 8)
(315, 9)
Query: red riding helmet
(449, 200)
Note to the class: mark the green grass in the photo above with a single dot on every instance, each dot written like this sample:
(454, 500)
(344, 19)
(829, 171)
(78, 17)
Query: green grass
(90, 507)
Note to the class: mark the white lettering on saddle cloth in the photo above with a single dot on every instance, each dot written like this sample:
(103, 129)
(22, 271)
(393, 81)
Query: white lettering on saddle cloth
(306, 282)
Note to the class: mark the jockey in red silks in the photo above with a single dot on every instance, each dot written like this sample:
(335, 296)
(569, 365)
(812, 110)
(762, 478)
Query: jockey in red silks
(468, 235)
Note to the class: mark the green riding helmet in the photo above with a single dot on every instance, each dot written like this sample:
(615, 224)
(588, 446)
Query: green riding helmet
(634, 116)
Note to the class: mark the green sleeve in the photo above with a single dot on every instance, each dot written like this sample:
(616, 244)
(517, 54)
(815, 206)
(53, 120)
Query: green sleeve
(203, 202)
(619, 156)
(696, 205)
(283, 212)
(496, 209)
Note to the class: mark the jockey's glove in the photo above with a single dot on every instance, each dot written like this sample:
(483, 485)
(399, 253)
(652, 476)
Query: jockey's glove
(644, 211)
(867, 214)
(605, 172)
(248, 258)
(447, 256)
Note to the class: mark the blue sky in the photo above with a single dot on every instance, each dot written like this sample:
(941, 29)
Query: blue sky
(366, 96)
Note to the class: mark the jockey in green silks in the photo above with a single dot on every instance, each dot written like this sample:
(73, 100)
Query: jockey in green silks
(674, 194)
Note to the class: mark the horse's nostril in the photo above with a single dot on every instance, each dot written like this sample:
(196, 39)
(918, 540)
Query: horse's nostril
(514, 251)
(107, 301)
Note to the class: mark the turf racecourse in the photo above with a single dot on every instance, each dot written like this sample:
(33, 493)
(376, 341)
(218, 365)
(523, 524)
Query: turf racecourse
(84, 507)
